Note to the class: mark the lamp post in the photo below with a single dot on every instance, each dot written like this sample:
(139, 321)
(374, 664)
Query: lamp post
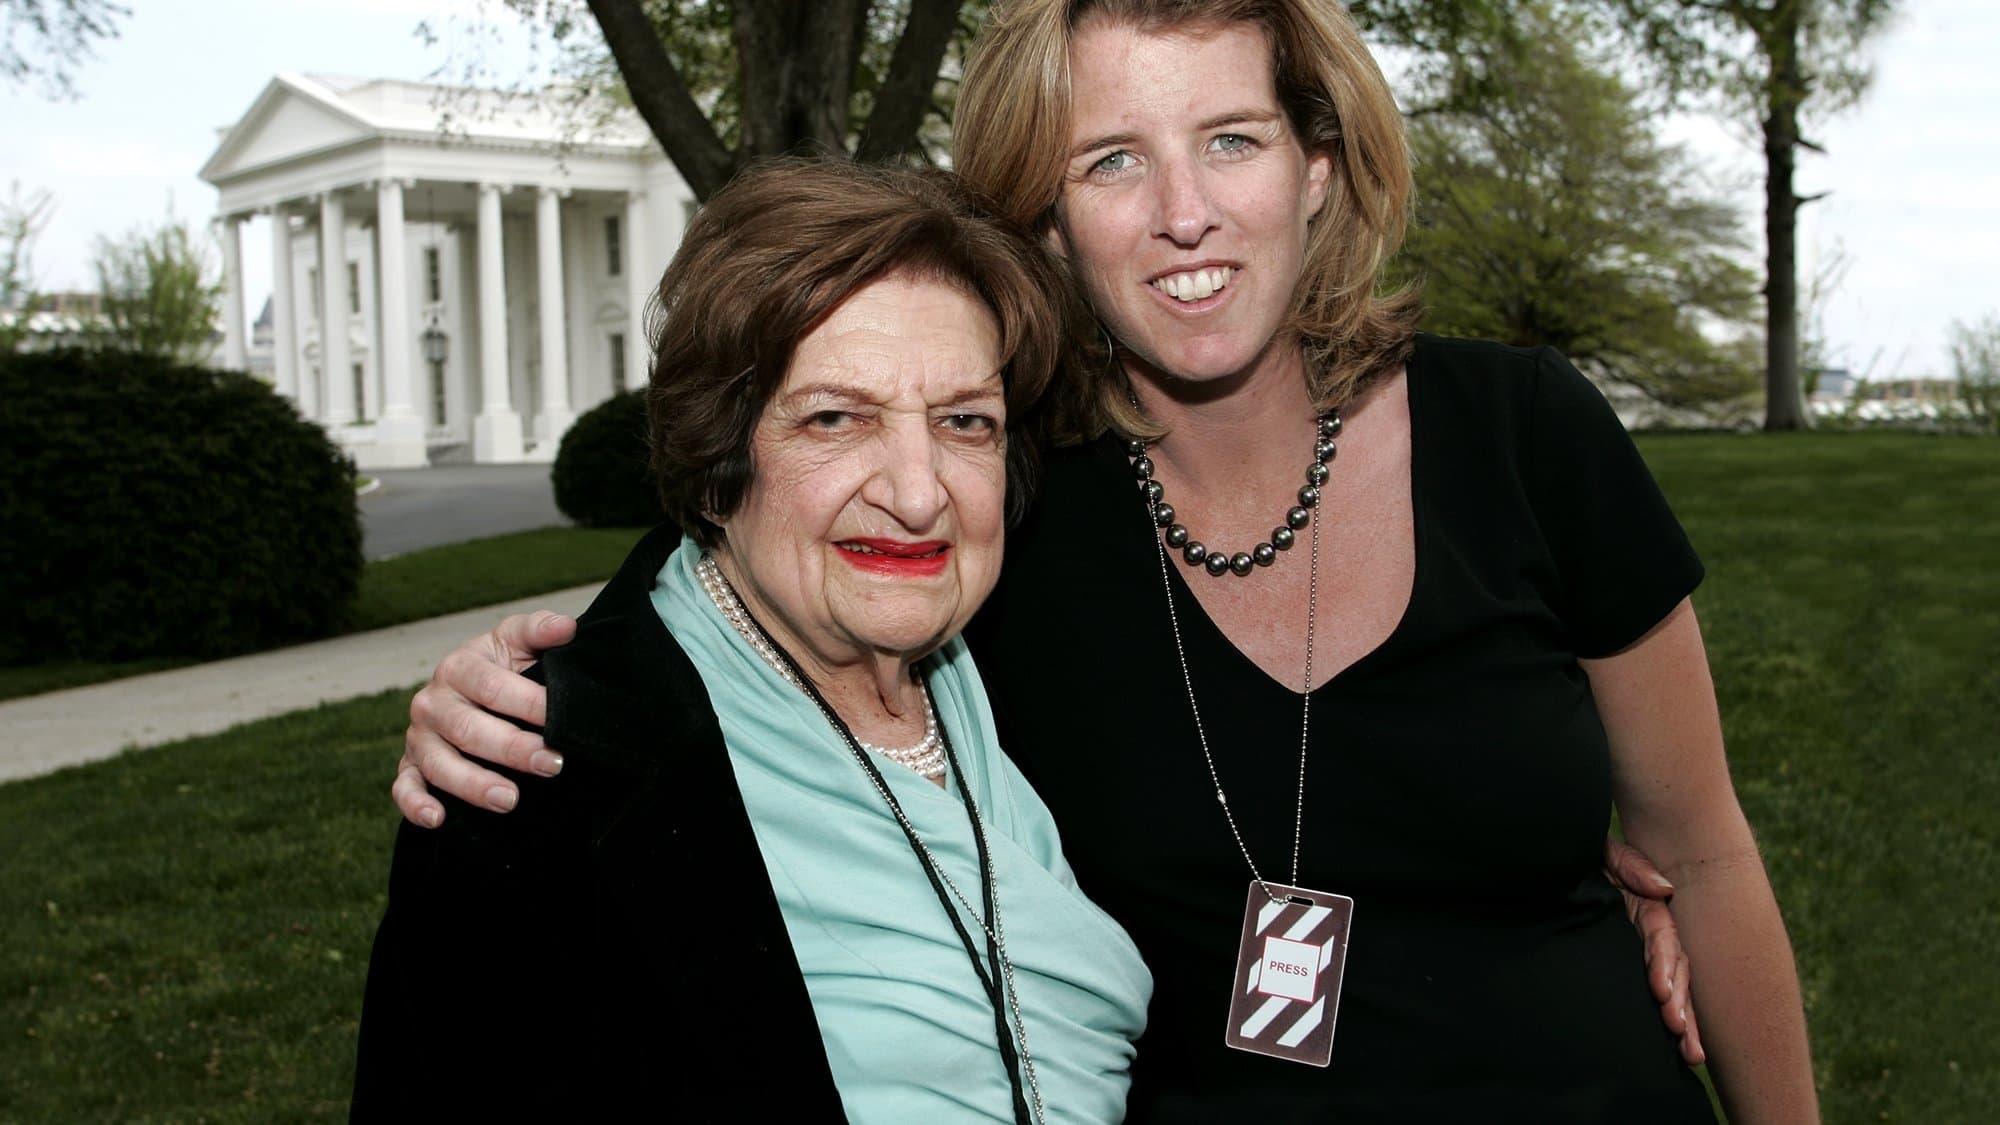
(437, 345)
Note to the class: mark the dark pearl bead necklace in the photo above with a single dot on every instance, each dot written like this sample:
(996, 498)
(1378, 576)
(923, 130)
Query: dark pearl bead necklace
(1219, 563)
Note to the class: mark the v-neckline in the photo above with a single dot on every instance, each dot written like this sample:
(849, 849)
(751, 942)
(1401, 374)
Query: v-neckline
(1184, 594)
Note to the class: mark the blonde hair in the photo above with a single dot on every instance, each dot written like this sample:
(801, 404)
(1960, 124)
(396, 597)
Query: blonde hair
(1011, 136)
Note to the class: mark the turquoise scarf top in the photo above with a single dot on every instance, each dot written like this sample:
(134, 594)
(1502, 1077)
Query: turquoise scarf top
(908, 1029)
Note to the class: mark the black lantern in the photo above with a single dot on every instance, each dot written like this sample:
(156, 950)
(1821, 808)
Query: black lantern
(436, 345)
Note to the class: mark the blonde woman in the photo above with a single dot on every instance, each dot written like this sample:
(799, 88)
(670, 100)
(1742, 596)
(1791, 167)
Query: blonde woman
(1373, 626)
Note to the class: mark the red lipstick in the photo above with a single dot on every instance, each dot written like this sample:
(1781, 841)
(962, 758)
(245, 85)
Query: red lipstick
(896, 558)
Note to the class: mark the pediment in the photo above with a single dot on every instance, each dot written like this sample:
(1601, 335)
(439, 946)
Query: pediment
(290, 119)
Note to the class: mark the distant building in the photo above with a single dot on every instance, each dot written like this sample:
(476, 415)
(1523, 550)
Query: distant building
(1918, 400)
(484, 284)
(57, 320)
(1834, 385)
(261, 360)
(1920, 389)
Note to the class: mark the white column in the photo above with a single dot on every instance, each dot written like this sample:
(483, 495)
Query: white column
(399, 436)
(284, 341)
(555, 415)
(235, 342)
(496, 432)
(336, 374)
(639, 282)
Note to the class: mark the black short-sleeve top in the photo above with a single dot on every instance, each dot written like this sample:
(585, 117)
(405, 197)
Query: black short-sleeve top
(1459, 783)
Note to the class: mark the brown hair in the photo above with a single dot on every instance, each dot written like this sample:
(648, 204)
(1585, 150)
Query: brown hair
(779, 248)
(1011, 136)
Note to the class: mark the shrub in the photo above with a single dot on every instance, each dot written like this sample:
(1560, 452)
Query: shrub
(601, 476)
(153, 509)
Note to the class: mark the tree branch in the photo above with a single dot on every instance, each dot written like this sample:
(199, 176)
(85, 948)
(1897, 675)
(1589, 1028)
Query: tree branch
(905, 93)
(662, 97)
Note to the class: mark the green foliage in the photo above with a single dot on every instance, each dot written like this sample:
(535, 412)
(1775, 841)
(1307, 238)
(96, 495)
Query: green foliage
(601, 475)
(1550, 213)
(573, 67)
(1783, 64)
(1975, 362)
(155, 510)
(58, 37)
(22, 219)
(162, 294)
(1755, 56)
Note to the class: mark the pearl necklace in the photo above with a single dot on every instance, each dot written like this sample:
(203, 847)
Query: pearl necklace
(927, 757)
(1241, 563)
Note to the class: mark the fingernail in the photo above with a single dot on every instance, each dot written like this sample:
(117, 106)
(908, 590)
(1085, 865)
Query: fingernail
(1684, 1015)
(431, 818)
(1660, 881)
(548, 763)
(502, 797)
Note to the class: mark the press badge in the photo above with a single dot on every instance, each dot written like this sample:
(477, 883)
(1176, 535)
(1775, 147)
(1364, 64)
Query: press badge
(1288, 971)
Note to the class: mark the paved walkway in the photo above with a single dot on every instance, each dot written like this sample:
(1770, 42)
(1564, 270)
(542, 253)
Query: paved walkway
(418, 508)
(65, 728)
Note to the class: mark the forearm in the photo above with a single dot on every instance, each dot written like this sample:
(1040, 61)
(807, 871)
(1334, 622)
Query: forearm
(1746, 988)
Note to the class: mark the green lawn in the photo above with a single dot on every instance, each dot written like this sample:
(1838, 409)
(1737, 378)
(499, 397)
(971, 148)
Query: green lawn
(407, 588)
(1852, 612)
(183, 932)
(466, 575)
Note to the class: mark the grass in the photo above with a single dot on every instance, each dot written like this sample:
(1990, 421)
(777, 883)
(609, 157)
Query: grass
(1852, 612)
(468, 575)
(406, 588)
(183, 932)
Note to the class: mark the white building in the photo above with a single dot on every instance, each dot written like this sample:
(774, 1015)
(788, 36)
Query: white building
(484, 284)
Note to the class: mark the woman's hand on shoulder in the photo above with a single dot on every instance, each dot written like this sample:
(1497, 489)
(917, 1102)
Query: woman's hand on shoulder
(464, 710)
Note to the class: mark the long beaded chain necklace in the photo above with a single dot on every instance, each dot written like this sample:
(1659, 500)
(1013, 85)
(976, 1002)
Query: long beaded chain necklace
(1293, 946)
(1028, 1104)
(926, 757)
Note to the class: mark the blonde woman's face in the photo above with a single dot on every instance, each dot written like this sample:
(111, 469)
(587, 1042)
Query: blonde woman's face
(1186, 197)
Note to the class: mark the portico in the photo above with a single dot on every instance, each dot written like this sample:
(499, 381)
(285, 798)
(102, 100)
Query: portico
(443, 295)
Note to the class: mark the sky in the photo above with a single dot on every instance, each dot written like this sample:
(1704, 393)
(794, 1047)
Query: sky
(1911, 227)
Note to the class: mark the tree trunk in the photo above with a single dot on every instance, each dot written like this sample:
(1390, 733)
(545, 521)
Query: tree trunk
(661, 96)
(1784, 405)
(797, 63)
(904, 95)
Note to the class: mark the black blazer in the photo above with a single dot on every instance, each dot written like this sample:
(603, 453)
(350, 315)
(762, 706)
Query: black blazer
(612, 946)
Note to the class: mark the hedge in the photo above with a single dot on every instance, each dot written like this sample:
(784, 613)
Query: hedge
(601, 475)
(152, 509)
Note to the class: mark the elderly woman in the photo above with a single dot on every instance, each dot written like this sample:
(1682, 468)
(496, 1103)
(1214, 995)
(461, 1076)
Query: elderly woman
(787, 871)
(1407, 685)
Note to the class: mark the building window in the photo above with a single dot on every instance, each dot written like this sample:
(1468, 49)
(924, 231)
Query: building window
(312, 285)
(360, 394)
(617, 362)
(354, 288)
(614, 246)
(437, 393)
(433, 275)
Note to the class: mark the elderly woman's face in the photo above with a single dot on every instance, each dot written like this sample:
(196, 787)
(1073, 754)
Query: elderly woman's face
(1186, 197)
(875, 513)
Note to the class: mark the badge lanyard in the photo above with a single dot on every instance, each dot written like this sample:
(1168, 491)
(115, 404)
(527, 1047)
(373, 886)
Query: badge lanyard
(1292, 950)
(1001, 993)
